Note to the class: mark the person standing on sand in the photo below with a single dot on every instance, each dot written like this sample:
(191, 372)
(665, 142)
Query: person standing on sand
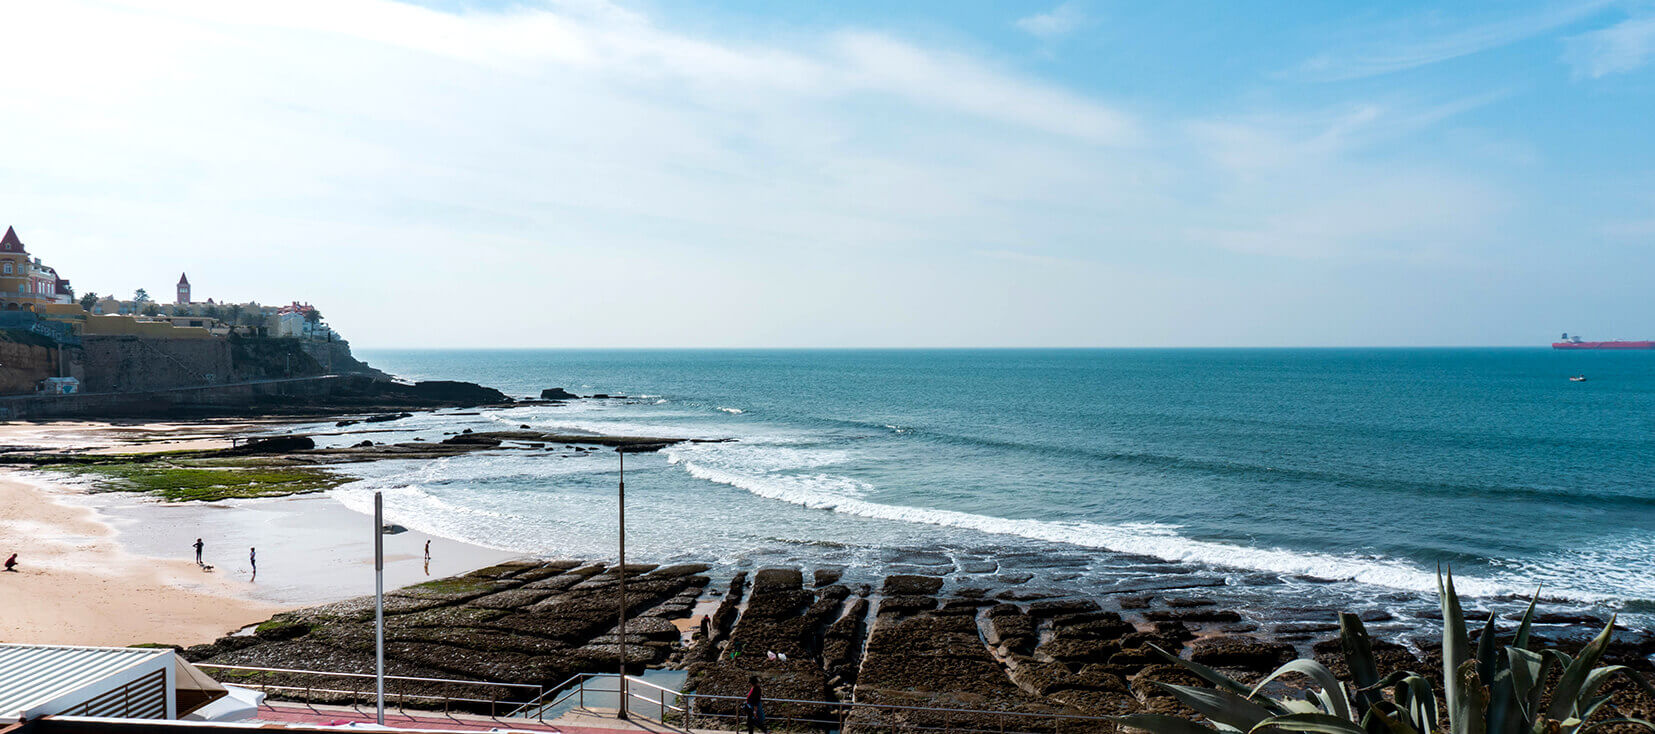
(427, 551)
(253, 560)
(198, 546)
(11, 563)
(753, 706)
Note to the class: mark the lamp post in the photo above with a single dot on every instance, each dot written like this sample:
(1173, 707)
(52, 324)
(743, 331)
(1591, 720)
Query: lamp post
(621, 505)
(379, 608)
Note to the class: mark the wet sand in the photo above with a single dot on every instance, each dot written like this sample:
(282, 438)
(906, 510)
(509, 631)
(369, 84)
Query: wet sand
(118, 568)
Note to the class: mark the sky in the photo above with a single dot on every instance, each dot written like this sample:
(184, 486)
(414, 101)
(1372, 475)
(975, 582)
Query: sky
(582, 173)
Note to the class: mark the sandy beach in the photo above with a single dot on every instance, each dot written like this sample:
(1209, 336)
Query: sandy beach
(117, 568)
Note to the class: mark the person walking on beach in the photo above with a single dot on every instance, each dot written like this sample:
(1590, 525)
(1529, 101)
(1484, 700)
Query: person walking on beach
(11, 563)
(198, 547)
(253, 560)
(427, 551)
(753, 706)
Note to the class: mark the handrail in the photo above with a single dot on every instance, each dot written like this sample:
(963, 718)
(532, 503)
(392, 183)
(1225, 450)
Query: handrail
(368, 675)
(493, 702)
(903, 707)
(684, 704)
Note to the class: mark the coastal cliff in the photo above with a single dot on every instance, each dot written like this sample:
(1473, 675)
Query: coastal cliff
(137, 376)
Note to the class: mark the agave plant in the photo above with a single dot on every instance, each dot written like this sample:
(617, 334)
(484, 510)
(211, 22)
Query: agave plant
(1491, 690)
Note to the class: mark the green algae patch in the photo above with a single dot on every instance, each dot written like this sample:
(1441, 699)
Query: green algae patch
(188, 482)
(450, 586)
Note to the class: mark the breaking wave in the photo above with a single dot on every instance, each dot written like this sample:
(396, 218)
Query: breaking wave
(1156, 540)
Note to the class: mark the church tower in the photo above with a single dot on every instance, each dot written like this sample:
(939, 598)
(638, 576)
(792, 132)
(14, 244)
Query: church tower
(183, 289)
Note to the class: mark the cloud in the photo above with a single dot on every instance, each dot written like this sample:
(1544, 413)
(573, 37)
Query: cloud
(1421, 41)
(1617, 49)
(442, 179)
(1059, 21)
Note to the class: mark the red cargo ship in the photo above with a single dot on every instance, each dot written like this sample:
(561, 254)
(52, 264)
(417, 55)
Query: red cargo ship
(1574, 342)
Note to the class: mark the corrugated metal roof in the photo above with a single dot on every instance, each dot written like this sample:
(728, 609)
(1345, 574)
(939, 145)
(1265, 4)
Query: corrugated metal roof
(34, 674)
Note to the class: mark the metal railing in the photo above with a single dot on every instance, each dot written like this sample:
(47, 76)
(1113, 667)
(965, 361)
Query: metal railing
(685, 710)
(365, 694)
(692, 710)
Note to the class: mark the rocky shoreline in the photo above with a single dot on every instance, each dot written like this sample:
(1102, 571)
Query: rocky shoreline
(904, 641)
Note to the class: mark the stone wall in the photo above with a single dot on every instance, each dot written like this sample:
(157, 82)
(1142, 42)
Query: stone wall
(181, 402)
(138, 364)
(27, 358)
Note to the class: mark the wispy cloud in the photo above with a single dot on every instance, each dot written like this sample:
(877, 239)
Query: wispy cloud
(1417, 42)
(1619, 48)
(1059, 21)
(827, 186)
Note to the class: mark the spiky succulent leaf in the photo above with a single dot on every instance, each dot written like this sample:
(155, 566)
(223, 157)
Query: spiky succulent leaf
(1527, 671)
(1162, 724)
(1209, 675)
(1612, 722)
(1296, 706)
(1222, 707)
(1338, 705)
(1471, 706)
(1455, 647)
(1487, 652)
(1413, 694)
(1314, 723)
(1386, 715)
(1521, 640)
(1358, 649)
(1591, 707)
(1599, 676)
(1566, 696)
(1505, 712)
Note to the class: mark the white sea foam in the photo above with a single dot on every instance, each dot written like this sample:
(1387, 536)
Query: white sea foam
(732, 411)
(1147, 539)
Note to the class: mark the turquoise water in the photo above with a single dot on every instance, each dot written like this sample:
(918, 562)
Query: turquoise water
(1343, 476)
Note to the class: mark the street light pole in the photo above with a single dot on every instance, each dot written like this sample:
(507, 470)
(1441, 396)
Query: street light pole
(621, 503)
(379, 608)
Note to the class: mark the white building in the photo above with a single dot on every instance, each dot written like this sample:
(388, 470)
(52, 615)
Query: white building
(121, 682)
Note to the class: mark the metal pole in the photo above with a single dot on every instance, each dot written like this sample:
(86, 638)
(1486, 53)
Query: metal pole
(621, 502)
(379, 607)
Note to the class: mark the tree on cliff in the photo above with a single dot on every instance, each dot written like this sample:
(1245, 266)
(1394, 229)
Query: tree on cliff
(151, 309)
(89, 300)
(140, 298)
(313, 316)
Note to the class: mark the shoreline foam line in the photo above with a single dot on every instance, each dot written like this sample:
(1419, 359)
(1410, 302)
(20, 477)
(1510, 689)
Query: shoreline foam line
(1145, 539)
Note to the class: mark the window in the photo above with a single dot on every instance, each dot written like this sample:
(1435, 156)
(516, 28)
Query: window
(7, 269)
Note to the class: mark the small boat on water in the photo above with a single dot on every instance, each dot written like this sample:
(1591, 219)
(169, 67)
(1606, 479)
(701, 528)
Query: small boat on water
(1578, 378)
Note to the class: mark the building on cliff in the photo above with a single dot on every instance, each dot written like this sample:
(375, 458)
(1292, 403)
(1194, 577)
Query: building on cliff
(26, 283)
(183, 289)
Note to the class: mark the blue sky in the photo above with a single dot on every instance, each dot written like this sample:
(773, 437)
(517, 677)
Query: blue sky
(1089, 173)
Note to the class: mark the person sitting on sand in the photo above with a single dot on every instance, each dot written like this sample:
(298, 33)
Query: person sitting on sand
(11, 563)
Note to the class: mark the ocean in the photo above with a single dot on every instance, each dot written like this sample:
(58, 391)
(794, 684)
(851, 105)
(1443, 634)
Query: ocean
(1293, 480)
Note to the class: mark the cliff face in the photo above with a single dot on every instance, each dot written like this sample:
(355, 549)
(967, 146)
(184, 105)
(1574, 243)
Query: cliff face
(266, 359)
(129, 363)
